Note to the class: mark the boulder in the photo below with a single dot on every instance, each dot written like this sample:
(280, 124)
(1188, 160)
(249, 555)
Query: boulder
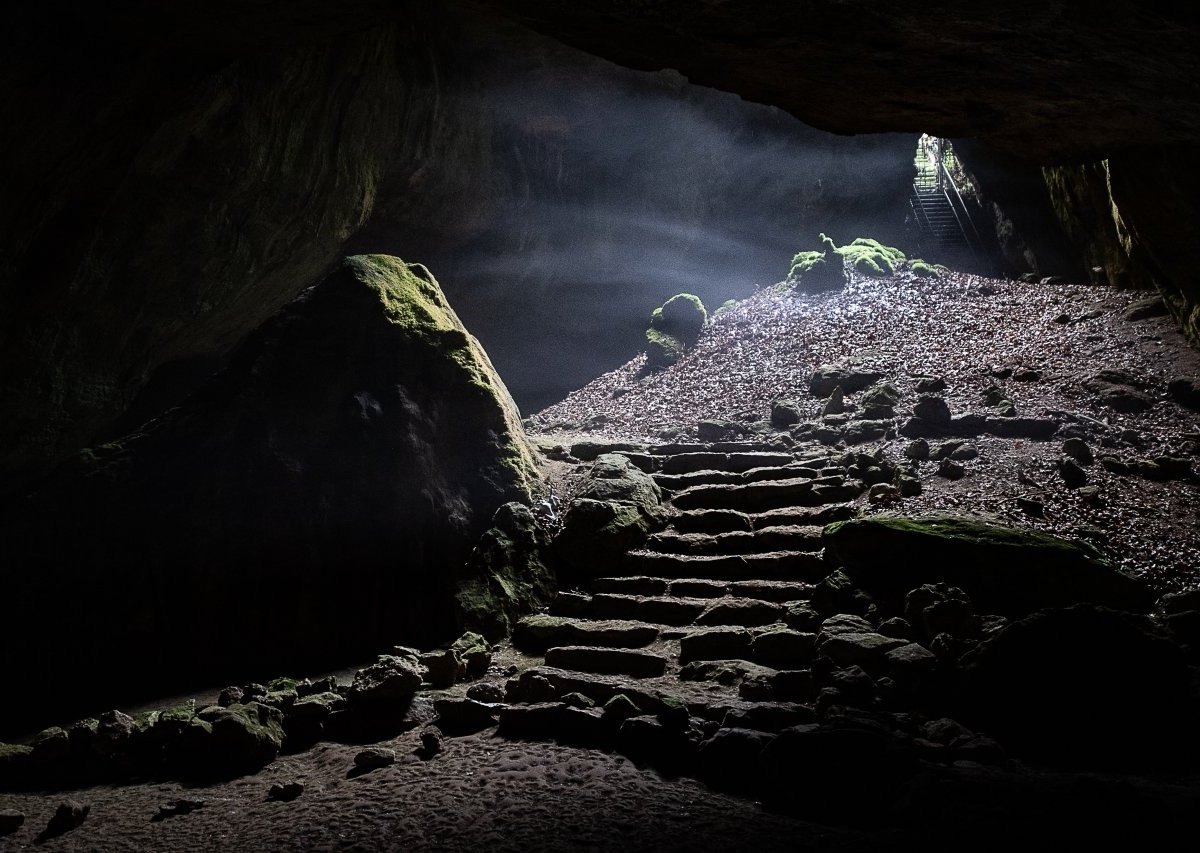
(458, 717)
(1003, 570)
(785, 413)
(475, 653)
(353, 448)
(374, 758)
(932, 409)
(392, 679)
(1120, 391)
(1084, 686)
(848, 376)
(675, 327)
(728, 761)
(242, 738)
(507, 574)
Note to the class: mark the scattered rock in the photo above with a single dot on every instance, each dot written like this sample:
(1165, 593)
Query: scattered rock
(933, 409)
(286, 792)
(1185, 391)
(930, 385)
(390, 679)
(1072, 473)
(1144, 309)
(431, 744)
(785, 413)
(1032, 507)
(457, 717)
(1119, 390)
(374, 758)
(486, 692)
(1077, 449)
(917, 450)
(10, 821)
(69, 815)
(850, 378)
(951, 470)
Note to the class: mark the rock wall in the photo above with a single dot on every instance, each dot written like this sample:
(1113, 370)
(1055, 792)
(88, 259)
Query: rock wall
(310, 503)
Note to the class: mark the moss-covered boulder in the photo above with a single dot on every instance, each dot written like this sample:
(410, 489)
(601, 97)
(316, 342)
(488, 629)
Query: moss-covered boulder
(675, 327)
(1004, 570)
(308, 500)
(817, 271)
(507, 575)
(870, 257)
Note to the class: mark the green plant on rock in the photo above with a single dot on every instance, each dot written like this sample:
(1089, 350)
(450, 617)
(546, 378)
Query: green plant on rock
(813, 271)
(870, 257)
(675, 326)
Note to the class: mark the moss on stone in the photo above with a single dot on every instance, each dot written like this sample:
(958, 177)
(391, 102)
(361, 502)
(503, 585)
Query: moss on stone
(413, 299)
(675, 326)
(814, 271)
(1006, 570)
(870, 257)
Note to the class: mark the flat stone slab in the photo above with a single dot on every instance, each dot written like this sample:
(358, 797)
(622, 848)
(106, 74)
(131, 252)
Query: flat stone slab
(699, 588)
(631, 585)
(763, 541)
(712, 521)
(783, 648)
(865, 650)
(749, 497)
(747, 612)
(598, 688)
(777, 591)
(605, 661)
(684, 463)
(726, 643)
(817, 516)
(663, 611)
(537, 633)
(780, 565)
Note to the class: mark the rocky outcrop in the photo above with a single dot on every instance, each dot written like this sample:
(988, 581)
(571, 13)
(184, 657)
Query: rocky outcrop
(304, 505)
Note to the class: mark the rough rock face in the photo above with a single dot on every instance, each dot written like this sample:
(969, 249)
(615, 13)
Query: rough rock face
(304, 504)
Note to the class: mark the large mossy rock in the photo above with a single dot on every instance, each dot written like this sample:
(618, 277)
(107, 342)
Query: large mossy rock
(816, 272)
(308, 504)
(1084, 686)
(1004, 570)
(508, 573)
(675, 327)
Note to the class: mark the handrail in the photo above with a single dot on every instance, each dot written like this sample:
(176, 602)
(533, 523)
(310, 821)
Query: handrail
(962, 204)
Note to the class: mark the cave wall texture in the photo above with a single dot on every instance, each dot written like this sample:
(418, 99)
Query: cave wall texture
(176, 174)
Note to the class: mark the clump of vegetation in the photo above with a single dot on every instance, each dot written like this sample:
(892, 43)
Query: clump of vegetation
(674, 327)
(870, 257)
(727, 305)
(814, 271)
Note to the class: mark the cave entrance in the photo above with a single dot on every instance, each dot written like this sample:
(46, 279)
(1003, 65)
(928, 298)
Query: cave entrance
(940, 207)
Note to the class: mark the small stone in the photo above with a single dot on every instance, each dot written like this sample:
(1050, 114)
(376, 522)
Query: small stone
(69, 815)
(578, 700)
(1032, 507)
(1077, 449)
(1185, 390)
(253, 692)
(620, 707)
(932, 409)
(285, 793)
(10, 821)
(910, 486)
(930, 385)
(177, 808)
(230, 696)
(431, 743)
(374, 758)
(1072, 474)
(785, 413)
(917, 450)
(951, 470)
(486, 692)
(836, 404)
(883, 493)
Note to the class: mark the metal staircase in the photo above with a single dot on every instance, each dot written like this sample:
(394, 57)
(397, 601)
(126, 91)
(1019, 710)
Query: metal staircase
(945, 232)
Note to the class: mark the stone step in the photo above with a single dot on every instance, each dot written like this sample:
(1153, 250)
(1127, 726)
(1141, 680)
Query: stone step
(535, 634)
(742, 612)
(763, 541)
(556, 683)
(606, 661)
(764, 590)
(732, 520)
(655, 609)
(759, 497)
(686, 463)
(676, 482)
(780, 565)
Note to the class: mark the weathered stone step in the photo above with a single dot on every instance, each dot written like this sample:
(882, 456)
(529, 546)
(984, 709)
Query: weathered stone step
(660, 610)
(759, 497)
(535, 634)
(764, 590)
(763, 541)
(686, 463)
(744, 612)
(732, 520)
(780, 565)
(606, 661)
(676, 482)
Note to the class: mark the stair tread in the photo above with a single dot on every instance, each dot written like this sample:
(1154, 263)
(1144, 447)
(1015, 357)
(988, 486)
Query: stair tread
(636, 663)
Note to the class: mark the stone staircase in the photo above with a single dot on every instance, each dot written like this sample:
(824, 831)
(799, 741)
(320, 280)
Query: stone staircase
(711, 615)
